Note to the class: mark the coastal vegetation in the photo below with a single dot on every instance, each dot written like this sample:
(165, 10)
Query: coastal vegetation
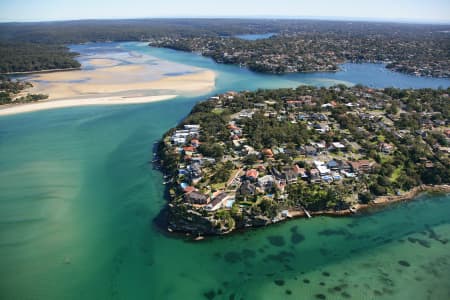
(31, 57)
(11, 91)
(254, 158)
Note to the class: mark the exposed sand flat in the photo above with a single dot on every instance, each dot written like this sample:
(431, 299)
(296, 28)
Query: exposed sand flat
(118, 79)
(44, 105)
(103, 62)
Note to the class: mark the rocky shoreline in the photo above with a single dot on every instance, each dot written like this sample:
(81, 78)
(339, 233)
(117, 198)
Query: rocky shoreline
(193, 224)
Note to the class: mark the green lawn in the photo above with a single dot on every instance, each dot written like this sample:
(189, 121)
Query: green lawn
(396, 174)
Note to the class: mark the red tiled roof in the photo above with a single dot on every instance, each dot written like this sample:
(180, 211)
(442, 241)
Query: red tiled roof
(189, 189)
(252, 173)
(267, 152)
(189, 148)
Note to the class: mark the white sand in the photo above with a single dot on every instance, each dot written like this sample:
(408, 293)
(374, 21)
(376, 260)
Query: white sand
(138, 81)
(44, 105)
(103, 62)
(118, 79)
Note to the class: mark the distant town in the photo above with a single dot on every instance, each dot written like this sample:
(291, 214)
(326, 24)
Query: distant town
(255, 158)
(322, 48)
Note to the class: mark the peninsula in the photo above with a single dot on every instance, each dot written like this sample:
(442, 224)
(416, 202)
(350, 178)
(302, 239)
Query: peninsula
(250, 159)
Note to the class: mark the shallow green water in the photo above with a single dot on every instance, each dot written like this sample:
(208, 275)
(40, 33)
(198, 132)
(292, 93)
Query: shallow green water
(78, 197)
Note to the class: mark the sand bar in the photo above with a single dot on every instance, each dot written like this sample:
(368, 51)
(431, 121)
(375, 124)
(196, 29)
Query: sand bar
(44, 105)
(111, 78)
(118, 79)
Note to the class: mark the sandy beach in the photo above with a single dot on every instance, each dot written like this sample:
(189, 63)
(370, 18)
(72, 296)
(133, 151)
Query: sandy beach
(114, 81)
(118, 79)
(48, 104)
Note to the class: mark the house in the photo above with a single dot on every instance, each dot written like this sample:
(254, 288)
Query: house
(385, 148)
(266, 182)
(319, 117)
(297, 170)
(195, 173)
(314, 175)
(327, 178)
(303, 117)
(302, 173)
(267, 153)
(252, 174)
(188, 150)
(192, 127)
(277, 174)
(294, 103)
(195, 143)
(348, 174)
(321, 128)
(333, 165)
(195, 197)
(361, 166)
(336, 146)
(247, 189)
(336, 176)
(343, 165)
(323, 170)
(218, 202)
(246, 114)
(285, 213)
(260, 105)
(289, 175)
(189, 189)
(310, 150)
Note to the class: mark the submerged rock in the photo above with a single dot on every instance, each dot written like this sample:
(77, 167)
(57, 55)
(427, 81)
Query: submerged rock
(404, 263)
(276, 240)
(279, 282)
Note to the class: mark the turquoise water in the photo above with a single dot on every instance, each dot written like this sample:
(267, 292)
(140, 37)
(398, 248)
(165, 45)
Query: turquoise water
(78, 197)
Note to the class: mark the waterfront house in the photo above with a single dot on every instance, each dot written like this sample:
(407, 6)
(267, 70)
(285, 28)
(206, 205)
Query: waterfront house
(195, 197)
(266, 182)
(217, 202)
